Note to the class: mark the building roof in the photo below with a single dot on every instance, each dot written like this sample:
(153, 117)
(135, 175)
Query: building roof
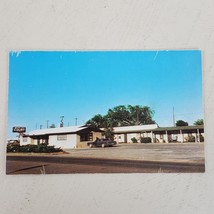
(153, 127)
(121, 129)
(126, 129)
(175, 128)
(61, 130)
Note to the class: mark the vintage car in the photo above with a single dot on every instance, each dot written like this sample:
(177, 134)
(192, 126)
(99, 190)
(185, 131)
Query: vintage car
(101, 143)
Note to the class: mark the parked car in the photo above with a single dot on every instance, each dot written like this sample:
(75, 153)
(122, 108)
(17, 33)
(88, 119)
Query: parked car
(101, 143)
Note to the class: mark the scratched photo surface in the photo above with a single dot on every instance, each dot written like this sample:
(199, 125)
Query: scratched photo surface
(105, 112)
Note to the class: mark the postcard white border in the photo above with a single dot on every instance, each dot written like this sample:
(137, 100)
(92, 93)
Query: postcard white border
(108, 25)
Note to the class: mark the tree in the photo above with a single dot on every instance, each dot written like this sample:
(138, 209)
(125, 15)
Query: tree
(123, 116)
(141, 115)
(108, 133)
(97, 121)
(118, 116)
(199, 122)
(52, 126)
(181, 123)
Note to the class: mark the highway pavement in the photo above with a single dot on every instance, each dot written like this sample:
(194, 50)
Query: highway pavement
(126, 158)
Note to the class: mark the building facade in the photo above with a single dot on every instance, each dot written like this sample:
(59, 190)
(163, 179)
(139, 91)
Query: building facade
(64, 137)
(78, 136)
(125, 134)
(159, 134)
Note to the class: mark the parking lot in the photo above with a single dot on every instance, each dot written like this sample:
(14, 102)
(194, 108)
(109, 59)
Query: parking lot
(123, 158)
(172, 152)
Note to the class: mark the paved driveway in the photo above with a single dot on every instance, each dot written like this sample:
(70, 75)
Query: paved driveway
(172, 152)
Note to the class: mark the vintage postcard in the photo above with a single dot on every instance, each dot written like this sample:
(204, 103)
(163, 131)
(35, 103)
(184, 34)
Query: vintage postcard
(105, 112)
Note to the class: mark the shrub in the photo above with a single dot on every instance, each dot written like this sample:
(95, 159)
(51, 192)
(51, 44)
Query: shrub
(41, 148)
(191, 138)
(134, 140)
(13, 147)
(201, 138)
(145, 140)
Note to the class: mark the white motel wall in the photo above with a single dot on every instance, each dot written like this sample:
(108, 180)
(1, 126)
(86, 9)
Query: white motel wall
(159, 134)
(25, 140)
(66, 141)
(64, 137)
(126, 133)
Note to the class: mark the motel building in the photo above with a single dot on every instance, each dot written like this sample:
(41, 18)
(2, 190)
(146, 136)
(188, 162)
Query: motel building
(78, 136)
(64, 137)
(157, 134)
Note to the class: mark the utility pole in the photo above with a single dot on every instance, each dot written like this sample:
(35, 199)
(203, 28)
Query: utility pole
(47, 124)
(61, 123)
(173, 116)
(75, 121)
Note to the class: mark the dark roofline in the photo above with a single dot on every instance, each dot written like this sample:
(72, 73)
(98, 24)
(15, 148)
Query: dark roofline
(134, 131)
(66, 132)
(179, 128)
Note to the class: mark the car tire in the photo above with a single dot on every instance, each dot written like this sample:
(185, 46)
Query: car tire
(103, 145)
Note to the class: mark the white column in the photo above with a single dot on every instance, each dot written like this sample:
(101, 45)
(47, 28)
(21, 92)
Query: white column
(167, 141)
(182, 136)
(195, 137)
(152, 137)
(198, 135)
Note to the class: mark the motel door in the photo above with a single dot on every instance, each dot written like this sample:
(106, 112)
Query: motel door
(125, 138)
(43, 140)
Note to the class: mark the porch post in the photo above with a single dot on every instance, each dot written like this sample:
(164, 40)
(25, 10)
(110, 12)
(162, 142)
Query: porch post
(195, 137)
(167, 141)
(198, 133)
(152, 136)
(182, 136)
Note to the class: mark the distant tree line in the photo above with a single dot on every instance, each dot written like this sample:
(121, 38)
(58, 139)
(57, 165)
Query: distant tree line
(199, 122)
(183, 123)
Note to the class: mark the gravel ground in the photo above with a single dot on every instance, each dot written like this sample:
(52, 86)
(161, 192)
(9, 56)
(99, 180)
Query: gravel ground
(187, 152)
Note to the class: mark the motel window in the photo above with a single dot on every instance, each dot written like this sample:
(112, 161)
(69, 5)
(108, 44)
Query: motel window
(86, 136)
(174, 137)
(61, 137)
(25, 139)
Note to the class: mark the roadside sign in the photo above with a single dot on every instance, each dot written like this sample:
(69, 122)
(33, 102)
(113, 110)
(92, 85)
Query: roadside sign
(19, 129)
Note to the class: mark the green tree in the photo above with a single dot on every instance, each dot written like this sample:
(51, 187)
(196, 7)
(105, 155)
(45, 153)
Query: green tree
(199, 122)
(98, 121)
(108, 133)
(181, 123)
(140, 115)
(118, 116)
(123, 116)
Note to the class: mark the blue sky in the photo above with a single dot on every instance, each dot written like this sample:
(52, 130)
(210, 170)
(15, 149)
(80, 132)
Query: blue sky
(44, 85)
